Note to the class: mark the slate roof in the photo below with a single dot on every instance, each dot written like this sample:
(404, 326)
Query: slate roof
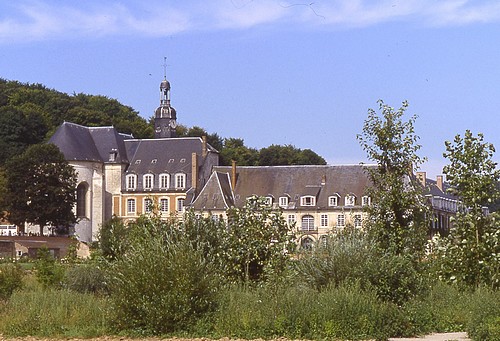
(433, 189)
(217, 193)
(292, 181)
(79, 143)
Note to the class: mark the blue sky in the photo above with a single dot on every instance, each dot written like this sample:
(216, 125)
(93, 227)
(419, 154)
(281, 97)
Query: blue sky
(272, 72)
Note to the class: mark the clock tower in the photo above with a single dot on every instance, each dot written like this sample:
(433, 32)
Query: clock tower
(165, 114)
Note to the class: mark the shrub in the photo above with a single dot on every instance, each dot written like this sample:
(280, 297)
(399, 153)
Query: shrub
(163, 283)
(48, 272)
(11, 279)
(484, 323)
(85, 278)
(54, 313)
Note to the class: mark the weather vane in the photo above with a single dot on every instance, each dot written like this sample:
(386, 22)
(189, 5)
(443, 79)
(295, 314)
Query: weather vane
(165, 67)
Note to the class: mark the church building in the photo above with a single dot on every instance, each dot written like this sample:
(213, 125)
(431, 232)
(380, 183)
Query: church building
(126, 177)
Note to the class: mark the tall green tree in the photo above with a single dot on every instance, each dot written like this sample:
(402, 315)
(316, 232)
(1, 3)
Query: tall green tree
(397, 214)
(235, 149)
(277, 155)
(470, 255)
(41, 188)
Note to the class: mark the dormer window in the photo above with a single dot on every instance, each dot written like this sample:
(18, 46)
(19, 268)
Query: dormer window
(112, 155)
(333, 200)
(350, 200)
(180, 181)
(154, 161)
(148, 181)
(283, 202)
(366, 200)
(307, 200)
(268, 201)
(137, 162)
(131, 181)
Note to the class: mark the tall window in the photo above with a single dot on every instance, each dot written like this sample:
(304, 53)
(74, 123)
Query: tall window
(164, 181)
(308, 223)
(180, 204)
(164, 205)
(307, 200)
(131, 206)
(341, 220)
(148, 181)
(324, 220)
(131, 180)
(180, 181)
(148, 205)
(365, 200)
(283, 201)
(291, 219)
(81, 200)
(358, 220)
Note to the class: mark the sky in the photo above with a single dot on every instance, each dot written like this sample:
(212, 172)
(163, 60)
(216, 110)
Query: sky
(272, 72)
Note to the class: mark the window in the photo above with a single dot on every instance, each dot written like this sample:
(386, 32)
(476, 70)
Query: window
(333, 200)
(307, 200)
(154, 161)
(164, 205)
(180, 204)
(358, 220)
(137, 162)
(283, 201)
(131, 180)
(307, 243)
(164, 181)
(308, 223)
(366, 200)
(148, 181)
(148, 205)
(81, 200)
(268, 201)
(130, 206)
(180, 181)
(350, 200)
(341, 220)
(291, 219)
(324, 220)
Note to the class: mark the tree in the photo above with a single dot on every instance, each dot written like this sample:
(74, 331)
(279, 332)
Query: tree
(257, 238)
(470, 254)
(397, 214)
(41, 188)
(235, 149)
(277, 155)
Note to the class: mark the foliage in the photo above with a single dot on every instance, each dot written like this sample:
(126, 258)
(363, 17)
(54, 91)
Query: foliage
(235, 149)
(112, 239)
(85, 278)
(484, 322)
(56, 314)
(346, 312)
(276, 155)
(49, 272)
(470, 255)
(41, 188)
(397, 214)
(257, 237)
(163, 282)
(11, 279)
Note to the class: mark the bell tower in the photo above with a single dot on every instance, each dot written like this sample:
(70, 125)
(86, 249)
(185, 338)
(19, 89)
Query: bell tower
(165, 114)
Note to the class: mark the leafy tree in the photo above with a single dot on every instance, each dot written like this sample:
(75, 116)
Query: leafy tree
(277, 155)
(49, 272)
(397, 214)
(235, 149)
(41, 188)
(470, 255)
(258, 237)
(213, 139)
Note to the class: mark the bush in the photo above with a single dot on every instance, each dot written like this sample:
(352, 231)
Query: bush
(163, 283)
(48, 272)
(85, 278)
(484, 323)
(11, 279)
(54, 313)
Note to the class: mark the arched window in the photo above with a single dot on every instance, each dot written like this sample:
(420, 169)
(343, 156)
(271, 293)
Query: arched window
(180, 204)
(148, 205)
(308, 223)
(81, 200)
(180, 181)
(131, 181)
(164, 181)
(147, 181)
(164, 205)
(307, 243)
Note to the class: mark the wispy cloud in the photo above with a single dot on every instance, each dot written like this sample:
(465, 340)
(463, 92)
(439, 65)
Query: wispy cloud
(34, 20)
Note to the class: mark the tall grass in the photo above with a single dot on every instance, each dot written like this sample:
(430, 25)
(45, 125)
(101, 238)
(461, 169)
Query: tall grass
(54, 313)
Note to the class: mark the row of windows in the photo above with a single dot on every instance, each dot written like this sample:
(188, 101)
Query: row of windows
(163, 205)
(148, 181)
(308, 223)
(310, 200)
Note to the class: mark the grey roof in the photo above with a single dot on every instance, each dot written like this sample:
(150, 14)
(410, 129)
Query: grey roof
(217, 193)
(293, 182)
(432, 189)
(79, 143)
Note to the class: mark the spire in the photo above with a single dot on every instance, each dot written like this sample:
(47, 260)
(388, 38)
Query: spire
(165, 114)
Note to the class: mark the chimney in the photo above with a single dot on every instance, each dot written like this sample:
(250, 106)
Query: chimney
(204, 146)
(323, 180)
(439, 182)
(233, 174)
(194, 171)
(422, 176)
